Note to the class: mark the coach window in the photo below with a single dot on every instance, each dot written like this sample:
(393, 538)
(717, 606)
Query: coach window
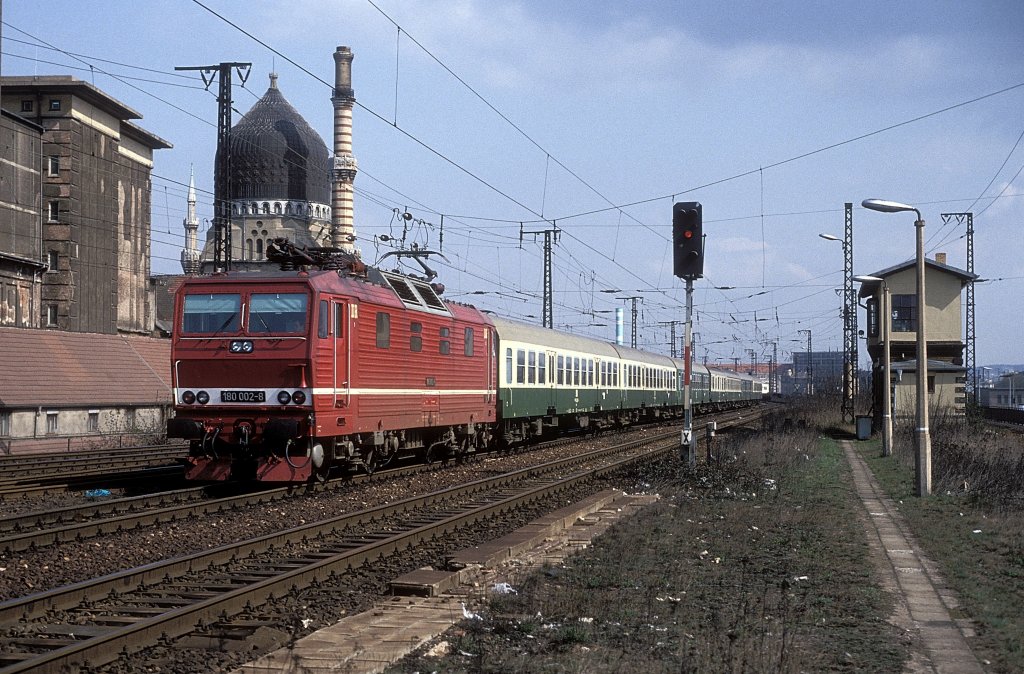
(520, 366)
(560, 369)
(415, 337)
(542, 372)
(383, 330)
(324, 319)
(444, 347)
(531, 369)
(508, 366)
(590, 373)
(575, 371)
(468, 346)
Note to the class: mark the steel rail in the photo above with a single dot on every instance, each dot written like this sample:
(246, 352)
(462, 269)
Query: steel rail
(105, 647)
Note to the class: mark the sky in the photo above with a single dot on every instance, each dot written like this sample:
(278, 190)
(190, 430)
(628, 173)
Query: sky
(488, 121)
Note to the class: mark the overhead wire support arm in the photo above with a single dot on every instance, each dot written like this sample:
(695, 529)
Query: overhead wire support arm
(222, 249)
(551, 236)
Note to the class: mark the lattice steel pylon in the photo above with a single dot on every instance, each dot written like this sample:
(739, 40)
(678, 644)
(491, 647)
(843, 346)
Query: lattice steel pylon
(222, 174)
(850, 357)
(551, 236)
(970, 365)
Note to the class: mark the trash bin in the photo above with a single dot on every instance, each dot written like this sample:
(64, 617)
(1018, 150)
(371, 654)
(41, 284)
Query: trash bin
(864, 428)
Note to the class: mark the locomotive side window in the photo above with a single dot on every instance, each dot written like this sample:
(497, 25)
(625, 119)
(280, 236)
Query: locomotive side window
(274, 313)
(211, 313)
(444, 347)
(383, 330)
(324, 319)
(339, 320)
(415, 338)
(468, 350)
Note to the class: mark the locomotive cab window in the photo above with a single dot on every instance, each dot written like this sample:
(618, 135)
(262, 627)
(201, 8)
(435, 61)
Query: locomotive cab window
(383, 330)
(444, 347)
(203, 314)
(276, 313)
(468, 350)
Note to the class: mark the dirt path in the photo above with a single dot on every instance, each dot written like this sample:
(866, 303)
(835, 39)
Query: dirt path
(923, 599)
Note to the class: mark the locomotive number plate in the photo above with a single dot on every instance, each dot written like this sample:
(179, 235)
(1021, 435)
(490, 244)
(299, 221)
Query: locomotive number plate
(243, 396)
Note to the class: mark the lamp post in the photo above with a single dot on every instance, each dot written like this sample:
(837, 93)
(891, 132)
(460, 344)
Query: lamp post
(885, 316)
(923, 462)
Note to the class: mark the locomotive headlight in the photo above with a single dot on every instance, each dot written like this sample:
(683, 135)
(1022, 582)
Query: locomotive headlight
(188, 397)
(284, 397)
(202, 397)
(298, 397)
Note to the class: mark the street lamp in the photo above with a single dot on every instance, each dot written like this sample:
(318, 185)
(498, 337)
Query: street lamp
(885, 316)
(923, 462)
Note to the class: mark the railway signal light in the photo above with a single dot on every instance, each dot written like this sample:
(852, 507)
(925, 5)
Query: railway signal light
(687, 240)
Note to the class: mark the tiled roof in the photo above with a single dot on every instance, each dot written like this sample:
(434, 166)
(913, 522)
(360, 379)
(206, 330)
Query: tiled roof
(59, 369)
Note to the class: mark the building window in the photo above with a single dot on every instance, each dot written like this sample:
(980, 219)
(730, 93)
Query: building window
(415, 338)
(872, 306)
(931, 383)
(904, 313)
(51, 423)
(259, 249)
(54, 105)
(383, 331)
(27, 106)
(51, 315)
(93, 425)
(53, 165)
(5, 424)
(53, 211)
(53, 259)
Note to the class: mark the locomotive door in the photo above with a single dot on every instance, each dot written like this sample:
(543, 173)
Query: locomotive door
(342, 356)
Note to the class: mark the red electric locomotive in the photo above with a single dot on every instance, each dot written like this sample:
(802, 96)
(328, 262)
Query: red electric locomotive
(280, 376)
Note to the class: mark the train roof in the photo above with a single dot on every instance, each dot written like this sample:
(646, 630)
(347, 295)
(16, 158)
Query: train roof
(534, 334)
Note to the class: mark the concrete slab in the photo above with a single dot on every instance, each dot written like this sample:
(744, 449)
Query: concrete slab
(369, 642)
(941, 645)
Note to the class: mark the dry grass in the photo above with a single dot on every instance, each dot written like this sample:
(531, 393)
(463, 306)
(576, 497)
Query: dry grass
(755, 563)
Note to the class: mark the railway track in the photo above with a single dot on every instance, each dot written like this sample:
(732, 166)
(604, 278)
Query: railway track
(38, 474)
(80, 522)
(94, 621)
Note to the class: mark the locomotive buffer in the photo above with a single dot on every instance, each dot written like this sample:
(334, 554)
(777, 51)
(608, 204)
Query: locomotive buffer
(688, 264)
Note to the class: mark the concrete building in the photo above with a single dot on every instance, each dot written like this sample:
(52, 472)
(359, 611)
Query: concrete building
(22, 258)
(1006, 392)
(944, 323)
(94, 237)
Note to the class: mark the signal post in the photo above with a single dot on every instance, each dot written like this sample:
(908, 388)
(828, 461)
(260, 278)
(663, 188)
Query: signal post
(688, 264)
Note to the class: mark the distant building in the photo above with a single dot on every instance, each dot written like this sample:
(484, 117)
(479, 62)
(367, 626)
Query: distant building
(814, 372)
(93, 237)
(1006, 392)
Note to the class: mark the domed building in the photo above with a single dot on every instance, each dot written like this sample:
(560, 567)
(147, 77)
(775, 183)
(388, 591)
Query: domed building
(280, 182)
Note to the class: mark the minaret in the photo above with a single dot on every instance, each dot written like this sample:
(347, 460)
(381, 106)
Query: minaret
(190, 254)
(343, 229)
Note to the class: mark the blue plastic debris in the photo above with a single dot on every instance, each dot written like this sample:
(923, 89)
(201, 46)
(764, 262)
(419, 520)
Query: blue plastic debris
(96, 493)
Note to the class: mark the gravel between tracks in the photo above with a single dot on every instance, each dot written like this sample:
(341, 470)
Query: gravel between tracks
(32, 571)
